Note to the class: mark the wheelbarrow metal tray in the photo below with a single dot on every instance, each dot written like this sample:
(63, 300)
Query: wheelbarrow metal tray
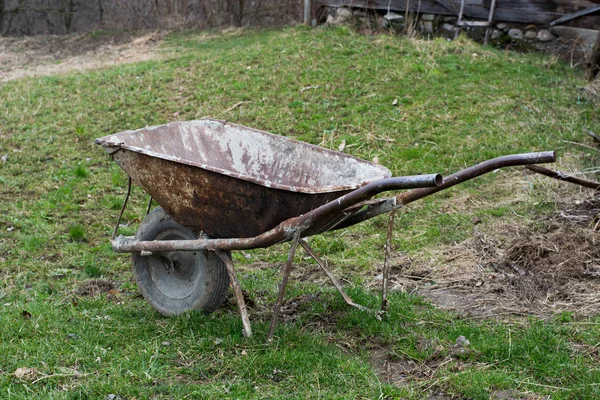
(227, 180)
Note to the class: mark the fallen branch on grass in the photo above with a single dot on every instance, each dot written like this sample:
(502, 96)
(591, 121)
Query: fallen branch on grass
(236, 105)
(581, 144)
(592, 134)
(562, 177)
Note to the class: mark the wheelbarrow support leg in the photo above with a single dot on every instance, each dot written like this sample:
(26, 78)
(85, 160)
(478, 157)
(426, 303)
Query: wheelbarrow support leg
(237, 289)
(330, 275)
(386, 263)
(286, 275)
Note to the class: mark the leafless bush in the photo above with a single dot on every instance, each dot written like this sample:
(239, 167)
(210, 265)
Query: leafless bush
(18, 17)
(169, 14)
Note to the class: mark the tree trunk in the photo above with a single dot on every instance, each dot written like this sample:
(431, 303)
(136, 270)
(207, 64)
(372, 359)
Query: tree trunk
(594, 65)
(1, 16)
(69, 11)
(240, 16)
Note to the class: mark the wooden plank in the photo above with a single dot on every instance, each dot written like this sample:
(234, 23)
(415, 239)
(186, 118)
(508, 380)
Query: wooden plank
(536, 5)
(524, 16)
(584, 37)
(450, 5)
(561, 6)
(575, 15)
(473, 23)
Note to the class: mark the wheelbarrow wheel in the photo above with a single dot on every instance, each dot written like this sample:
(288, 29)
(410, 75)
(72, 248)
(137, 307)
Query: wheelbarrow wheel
(178, 281)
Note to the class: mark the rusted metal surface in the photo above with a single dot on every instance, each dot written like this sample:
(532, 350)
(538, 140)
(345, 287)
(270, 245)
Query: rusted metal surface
(563, 177)
(387, 204)
(218, 205)
(372, 210)
(284, 280)
(237, 290)
(211, 175)
(251, 155)
(249, 196)
(478, 170)
(313, 222)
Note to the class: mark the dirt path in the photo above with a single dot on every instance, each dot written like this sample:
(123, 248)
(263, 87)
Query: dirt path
(52, 55)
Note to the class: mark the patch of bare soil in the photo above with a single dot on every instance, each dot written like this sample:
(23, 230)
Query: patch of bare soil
(546, 267)
(399, 371)
(95, 287)
(52, 55)
(513, 395)
(291, 308)
(230, 302)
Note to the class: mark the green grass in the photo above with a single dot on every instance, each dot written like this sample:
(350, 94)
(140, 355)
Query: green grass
(77, 233)
(457, 103)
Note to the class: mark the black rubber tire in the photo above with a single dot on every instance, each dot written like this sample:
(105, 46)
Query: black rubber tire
(176, 282)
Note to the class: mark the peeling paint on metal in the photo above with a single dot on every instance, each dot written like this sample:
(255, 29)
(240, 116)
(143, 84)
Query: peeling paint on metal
(212, 175)
(269, 160)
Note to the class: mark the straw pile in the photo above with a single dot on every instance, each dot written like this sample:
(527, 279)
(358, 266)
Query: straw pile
(541, 267)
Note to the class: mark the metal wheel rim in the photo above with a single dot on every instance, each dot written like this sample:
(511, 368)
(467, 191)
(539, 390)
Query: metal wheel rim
(175, 274)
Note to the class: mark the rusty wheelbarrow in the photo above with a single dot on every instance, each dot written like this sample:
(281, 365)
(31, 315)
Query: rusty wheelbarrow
(223, 187)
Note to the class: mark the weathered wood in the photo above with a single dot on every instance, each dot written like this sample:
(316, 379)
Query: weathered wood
(450, 5)
(594, 65)
(307, 8)
(585, 37)
(560, 6)
(563, 177)
(526, 11)
(425, 6)
(502, 12)
(490, 19)
(575, 15)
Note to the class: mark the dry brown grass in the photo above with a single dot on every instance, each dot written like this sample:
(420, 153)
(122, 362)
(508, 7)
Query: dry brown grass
(592, 90)
(519, 266)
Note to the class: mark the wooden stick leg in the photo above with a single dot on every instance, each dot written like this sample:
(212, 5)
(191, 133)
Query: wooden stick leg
(330, 275)
(286, 275)
(386, 263)
(237, 289)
